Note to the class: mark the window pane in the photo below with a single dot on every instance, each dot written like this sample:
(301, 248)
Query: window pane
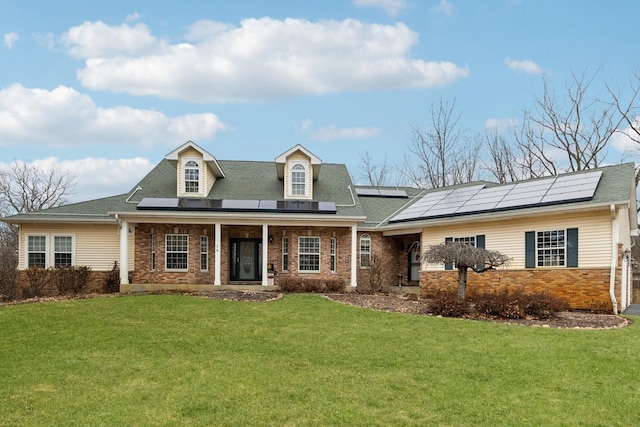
(309, 254)
(204, 253)
(37, 243)
(176, 251)
(36, 260)
(285, 254)
(36, 251)
(551, 248)
(365, 250)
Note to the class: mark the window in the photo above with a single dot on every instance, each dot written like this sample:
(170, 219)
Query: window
(176, 251)
(551, 248)
(477, 241)
(308, 254)
(191, 177)
(365, 251)
(298, 180)
(285, 253)
(468, 240)
(36, 251)
(153, 252)
(204, 253)
(332, 262)
(62, 251)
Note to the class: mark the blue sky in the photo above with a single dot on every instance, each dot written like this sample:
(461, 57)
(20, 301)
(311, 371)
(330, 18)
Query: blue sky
(107, 89)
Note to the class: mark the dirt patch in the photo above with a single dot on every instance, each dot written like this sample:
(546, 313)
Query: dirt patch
(400, 304)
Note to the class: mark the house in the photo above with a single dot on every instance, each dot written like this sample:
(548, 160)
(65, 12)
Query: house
(198, 223)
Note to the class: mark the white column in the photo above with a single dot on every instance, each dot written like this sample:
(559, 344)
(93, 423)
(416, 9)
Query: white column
(265, 257)
(124, 253)
(216, 255)
(354, 256)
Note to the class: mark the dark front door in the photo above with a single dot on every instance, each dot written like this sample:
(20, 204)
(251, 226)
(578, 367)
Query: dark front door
(246, 260)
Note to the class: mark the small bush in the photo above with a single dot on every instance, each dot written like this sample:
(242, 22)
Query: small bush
(312, 285)
(111, 282)
(501, 304)
(334, 285)
(543, 306)
(8, 284)
(70, 280)
(290, 284)
(446, 303)
(38, 278)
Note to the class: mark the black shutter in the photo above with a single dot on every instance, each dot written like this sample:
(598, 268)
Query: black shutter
(572, 247)
(530, 249)
(448, 266)
(480, 245)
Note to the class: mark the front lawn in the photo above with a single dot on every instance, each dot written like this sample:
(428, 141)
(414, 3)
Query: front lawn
(303, 360)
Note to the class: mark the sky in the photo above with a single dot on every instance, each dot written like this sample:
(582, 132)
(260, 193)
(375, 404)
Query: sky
(104, 90)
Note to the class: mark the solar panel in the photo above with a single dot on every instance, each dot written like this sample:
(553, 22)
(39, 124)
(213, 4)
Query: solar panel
(158, 203)
(466, 200)
(382, 192)
(371, 192)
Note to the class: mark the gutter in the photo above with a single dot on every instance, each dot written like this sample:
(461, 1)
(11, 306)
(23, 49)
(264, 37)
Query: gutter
(614, 259)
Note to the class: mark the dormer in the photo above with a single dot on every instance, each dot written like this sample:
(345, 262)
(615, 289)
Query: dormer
(197, 170)
(298, 168)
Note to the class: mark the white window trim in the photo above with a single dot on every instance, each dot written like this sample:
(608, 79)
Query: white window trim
(308, 253)
(333, 255)
(563, 248)
(307, 187)
(205, 252)
(53, 248)
(362, 237)
(198, 161)
(285, 265)
(166, 254)
(46, 248)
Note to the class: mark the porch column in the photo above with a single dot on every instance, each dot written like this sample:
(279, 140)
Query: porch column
(265, 257)
(124, 253)
(354, 256)
(216, 255)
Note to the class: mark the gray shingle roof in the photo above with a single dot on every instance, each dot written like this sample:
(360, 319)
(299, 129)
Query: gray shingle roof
(250, 180)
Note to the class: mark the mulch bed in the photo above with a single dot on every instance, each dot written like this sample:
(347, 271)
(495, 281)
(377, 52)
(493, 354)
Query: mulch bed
(393, 303)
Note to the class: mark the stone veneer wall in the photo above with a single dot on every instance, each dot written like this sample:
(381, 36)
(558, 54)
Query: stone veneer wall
(583, 289)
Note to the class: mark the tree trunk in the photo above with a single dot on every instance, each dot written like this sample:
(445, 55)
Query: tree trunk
(462, 282)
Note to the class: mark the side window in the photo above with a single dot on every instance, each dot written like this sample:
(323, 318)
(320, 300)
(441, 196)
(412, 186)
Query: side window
(204, 253)
(36, 251)
(285, 253)
(332, 262)
(365, 251)
(62, 251)
(551, 248)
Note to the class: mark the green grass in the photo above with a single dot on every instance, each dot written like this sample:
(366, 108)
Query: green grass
(303, 360)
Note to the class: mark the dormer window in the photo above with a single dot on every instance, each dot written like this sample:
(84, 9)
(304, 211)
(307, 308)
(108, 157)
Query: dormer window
(298, 180)
(191, 177)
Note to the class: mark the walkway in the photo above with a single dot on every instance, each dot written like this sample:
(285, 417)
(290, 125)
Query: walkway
(633, 309)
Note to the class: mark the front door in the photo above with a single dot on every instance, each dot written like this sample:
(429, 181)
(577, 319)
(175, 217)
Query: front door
(414, 262)
(246, 260)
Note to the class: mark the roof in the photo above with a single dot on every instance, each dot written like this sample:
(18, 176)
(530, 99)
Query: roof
(254, 180)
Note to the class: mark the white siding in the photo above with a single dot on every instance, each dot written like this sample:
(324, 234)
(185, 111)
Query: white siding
(624, 233)
(96, 246)
(507, 236)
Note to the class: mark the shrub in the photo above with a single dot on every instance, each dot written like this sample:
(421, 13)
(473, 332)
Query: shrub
(543, 306)
(334, 285)
(312, 285)
(501, 304)
(70, 280)
(290, 284)
(8, 284)
(38, 278)
(446, 303)
(112, 280)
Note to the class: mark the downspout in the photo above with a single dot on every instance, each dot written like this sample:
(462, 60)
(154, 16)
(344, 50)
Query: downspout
(614, 259)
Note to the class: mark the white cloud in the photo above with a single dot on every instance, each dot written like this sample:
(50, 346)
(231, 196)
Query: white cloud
(135, 16)
(622, 141)
(96, 177)
(262, 59)
(525, 66)
(65, 117)
(500, 124)
(10, 39)
(331, 133)
(98, 40)
(391, 7)
(445, 7)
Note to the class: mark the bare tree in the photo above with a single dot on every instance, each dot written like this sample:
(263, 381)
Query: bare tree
(503, 159)
(374, 174)
(465, 257)
(29, 188)
(441, 155)
(568, 135)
